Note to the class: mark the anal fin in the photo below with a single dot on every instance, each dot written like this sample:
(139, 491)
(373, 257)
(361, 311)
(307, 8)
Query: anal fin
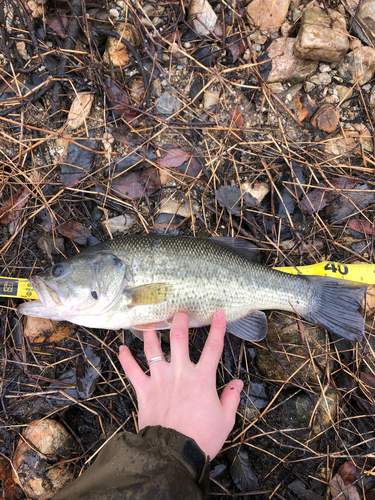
(251, 327)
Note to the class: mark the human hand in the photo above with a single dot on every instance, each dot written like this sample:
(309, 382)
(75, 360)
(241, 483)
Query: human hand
(181, 395)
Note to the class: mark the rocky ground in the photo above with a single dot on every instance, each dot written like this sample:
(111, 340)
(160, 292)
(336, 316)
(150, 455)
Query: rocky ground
(199, 118)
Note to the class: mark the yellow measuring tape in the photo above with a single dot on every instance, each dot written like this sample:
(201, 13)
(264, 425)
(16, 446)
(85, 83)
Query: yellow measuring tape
(17, 288)
(362, 273)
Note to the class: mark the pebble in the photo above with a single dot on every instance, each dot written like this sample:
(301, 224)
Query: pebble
(167, 104)
(115, 51)
(114, 13)
(286, 67)
(332, 99)
(156, 89)
(202, 17)
(325, 78)
(322, 36)
(210, 99)
(268, 14)
(326, 118)
(324, 68)
(358, 65)
(308, 86)
(344, 93)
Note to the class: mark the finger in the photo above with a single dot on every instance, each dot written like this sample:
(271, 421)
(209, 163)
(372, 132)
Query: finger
(230, 398)
(179, 336)
(152, 348)
(213, 347)
(131, 368)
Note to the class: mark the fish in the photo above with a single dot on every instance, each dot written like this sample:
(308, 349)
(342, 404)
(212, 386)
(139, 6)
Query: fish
(139, 282)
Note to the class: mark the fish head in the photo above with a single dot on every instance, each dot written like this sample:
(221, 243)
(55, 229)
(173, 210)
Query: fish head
(86, 284)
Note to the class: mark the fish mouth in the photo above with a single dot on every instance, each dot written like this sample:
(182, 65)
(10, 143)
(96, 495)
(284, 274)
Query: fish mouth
(48, 296)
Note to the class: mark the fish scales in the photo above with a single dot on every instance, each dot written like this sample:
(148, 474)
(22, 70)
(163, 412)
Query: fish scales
(140, 282)
(205, 277)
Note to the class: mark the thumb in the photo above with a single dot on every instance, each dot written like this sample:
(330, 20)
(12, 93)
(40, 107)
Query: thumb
(230, 397)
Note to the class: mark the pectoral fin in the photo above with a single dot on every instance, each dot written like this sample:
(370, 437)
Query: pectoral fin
(152, 293)
(252, 327)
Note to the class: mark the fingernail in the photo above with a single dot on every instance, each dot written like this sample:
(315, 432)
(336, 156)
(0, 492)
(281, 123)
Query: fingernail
(220, 315)
(121, 348)
(238, 384)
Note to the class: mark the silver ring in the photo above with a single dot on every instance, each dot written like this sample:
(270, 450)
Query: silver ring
(156, 358)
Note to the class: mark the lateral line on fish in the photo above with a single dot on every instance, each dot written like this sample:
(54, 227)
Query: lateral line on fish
(21, 288)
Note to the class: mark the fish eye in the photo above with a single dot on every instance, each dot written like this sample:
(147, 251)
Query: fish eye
(94, 295)
(57, 270)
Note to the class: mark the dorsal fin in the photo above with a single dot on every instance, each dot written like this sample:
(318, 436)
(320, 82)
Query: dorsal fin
(239, 245)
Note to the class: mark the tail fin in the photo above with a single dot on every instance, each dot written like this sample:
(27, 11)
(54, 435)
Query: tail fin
(336, 307)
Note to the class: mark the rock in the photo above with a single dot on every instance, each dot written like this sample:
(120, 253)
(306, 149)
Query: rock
(202, 17)
(137, 90)
(343, 94)
(324, 68)
(156, 89)
(40, 459)
(326, 118)
(176, 208)
(268, 14)
(357, 135)
(331, 99)
(364, 25)
(258, 190)
(308, 87)
(292, 357)
(115, 51)
(39, 330)
(358, 65)
(325, 78)
(301, 410)
(167, 103)
(210, 99)
(277, 87)
(79, 110)
(322, 36)
(258, 38)
(286, 67)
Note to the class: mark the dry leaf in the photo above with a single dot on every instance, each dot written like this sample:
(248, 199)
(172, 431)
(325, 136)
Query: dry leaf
(317, 199)
(361, 226)
(79, 110)
(40, 330)
(11, 208)
(120, 103)
(174, 158)
(237, 46)
(75, 231)
(341, 487)
(306, 107)
(59, 24)
(7, 484)
(136, 184)
(236, 123)
(78, 161)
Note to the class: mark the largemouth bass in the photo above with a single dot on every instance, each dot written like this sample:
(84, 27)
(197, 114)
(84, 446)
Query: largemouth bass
(141, 282)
